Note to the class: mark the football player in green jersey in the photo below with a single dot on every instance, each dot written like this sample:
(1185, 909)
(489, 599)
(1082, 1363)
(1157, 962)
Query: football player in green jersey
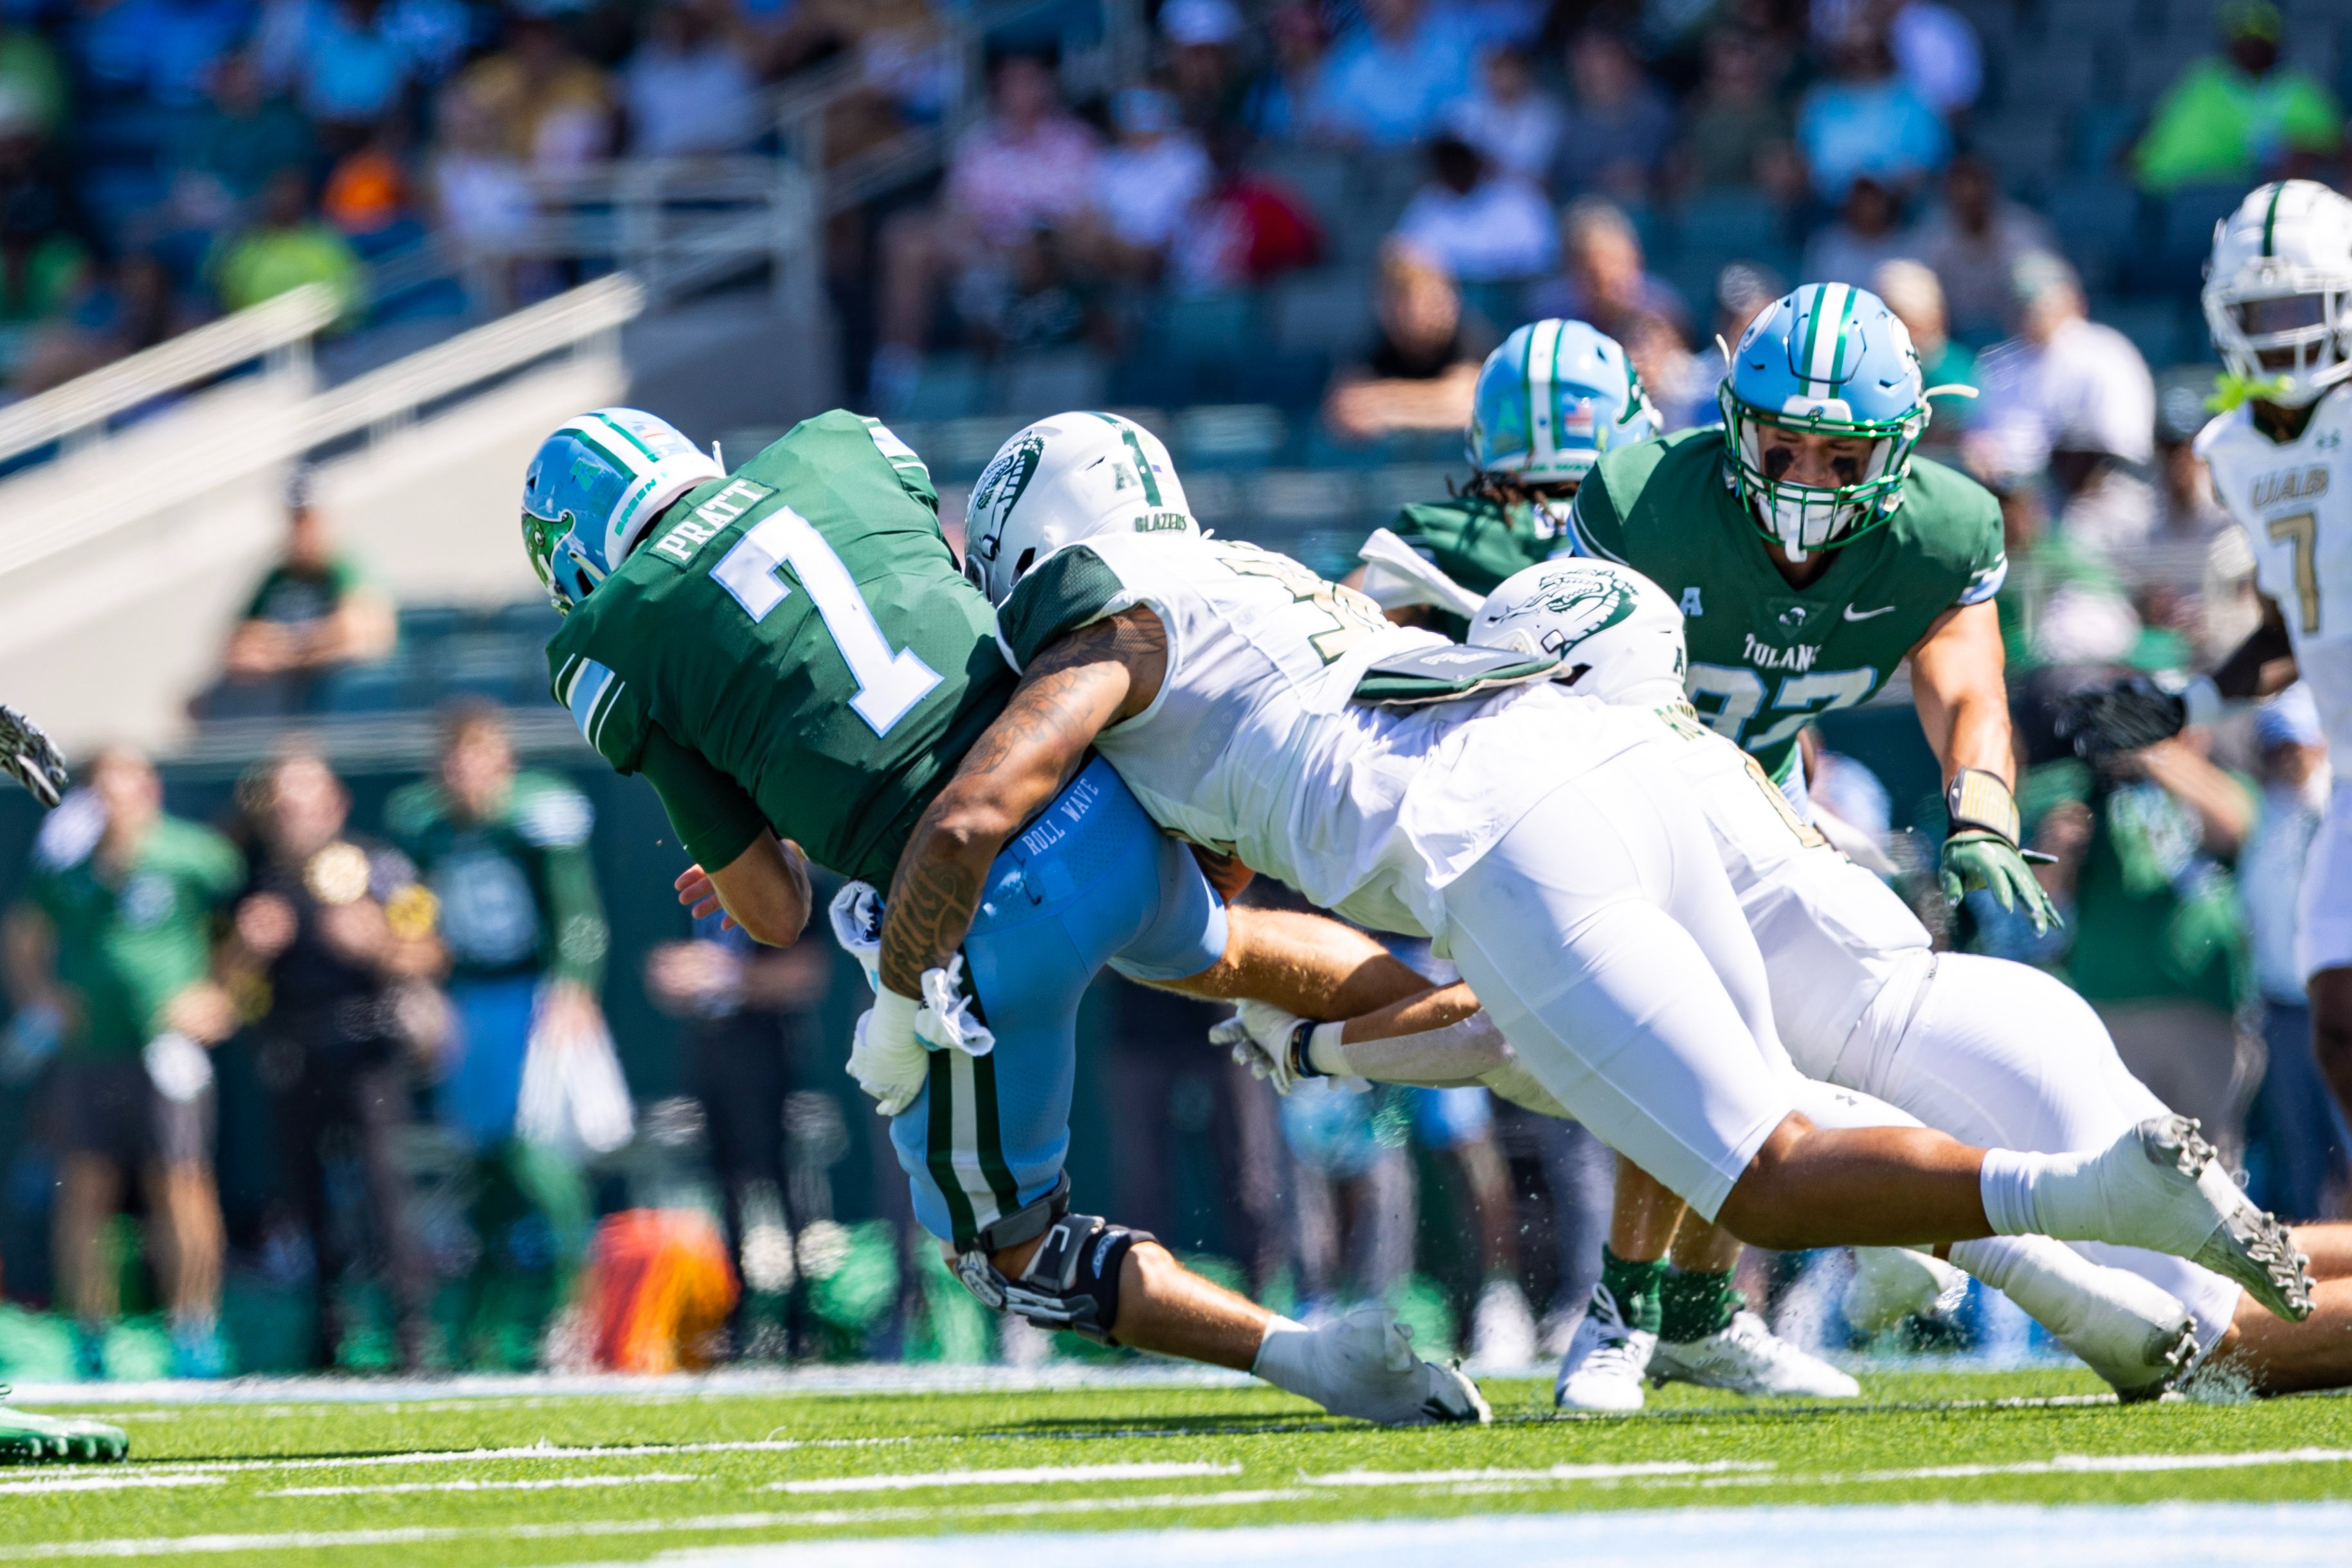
(793, 658)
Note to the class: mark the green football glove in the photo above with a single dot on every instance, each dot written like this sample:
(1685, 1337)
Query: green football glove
(1982, 851)
(1976, 859)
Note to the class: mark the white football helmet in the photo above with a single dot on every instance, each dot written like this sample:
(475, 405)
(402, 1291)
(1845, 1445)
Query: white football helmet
(1618, 635)
(2278, 290)
(1069, 477)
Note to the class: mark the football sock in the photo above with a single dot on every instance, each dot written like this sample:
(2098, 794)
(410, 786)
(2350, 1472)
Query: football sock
(1636, 1288)
(2052, 1283)
(1693, 1304)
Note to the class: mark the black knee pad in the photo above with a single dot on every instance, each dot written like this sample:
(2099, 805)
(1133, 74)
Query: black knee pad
(1072, 1280)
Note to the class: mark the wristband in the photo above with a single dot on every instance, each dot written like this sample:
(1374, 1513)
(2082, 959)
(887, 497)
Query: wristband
(1304, 1035)
(1980, 803)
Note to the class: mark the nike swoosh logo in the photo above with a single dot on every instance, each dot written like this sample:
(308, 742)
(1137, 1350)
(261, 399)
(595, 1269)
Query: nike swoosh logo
(1853, 615)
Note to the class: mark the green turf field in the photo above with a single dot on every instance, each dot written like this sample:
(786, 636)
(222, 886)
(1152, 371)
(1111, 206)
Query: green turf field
(553, 1476)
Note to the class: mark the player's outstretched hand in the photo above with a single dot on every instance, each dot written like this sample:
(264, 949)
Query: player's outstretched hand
(1975, 859)
(2104, 721)
(30, 760)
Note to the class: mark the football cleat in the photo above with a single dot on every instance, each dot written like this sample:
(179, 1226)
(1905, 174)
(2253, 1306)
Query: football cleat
(1503, 1328)
(1606, 1361)
(2165, 1190)
(1746, 1357)
(1890, 1283)
(29, 1438)
(1369, 1356)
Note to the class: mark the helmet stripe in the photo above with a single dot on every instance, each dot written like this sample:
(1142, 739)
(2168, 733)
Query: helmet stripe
(1543, 368)
(625, 433)
(1125, 429)
(2269, 217)
(1824, 351)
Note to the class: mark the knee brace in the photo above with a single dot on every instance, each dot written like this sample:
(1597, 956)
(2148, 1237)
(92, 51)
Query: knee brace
(1071, 1280)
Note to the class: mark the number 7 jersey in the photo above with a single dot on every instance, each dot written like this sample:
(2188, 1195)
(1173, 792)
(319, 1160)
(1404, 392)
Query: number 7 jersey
(801, 625)
(2293, 499)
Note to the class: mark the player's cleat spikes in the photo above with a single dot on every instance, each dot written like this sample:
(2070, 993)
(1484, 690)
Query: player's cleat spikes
(2179, 1359)
(1606, 1361)
(2130, 1331)
(1890, 1283)
(2247, 1245)
(1746, 1357)
(1503, 1329)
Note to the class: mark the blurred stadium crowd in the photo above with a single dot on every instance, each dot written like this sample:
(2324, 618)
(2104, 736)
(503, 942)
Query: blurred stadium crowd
(1286, 246)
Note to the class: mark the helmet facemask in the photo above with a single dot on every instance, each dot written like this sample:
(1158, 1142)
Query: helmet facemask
(2285, 332)
(1802, 518)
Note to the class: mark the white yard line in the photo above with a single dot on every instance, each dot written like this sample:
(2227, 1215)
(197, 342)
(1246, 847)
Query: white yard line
(2106, 1464)
(553, 1483)
(101, 1483)
(1034, 1474)
(323, 1540)
(1553, 1473)
(532, 1451)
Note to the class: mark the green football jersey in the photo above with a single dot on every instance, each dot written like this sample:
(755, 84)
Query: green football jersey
(517, 890)
(1477, 541)
(802, 628)
(1765, 658)
(128, 944)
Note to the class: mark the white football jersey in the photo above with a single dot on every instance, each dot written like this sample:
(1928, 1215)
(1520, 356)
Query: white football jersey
(1254, 747)
(2293, 499)
(1832, 933)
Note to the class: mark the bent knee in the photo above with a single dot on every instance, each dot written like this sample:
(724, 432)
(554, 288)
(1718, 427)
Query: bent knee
(1758, 1210)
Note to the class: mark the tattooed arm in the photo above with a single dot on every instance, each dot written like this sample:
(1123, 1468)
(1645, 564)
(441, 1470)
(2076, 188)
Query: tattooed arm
(1090, 680)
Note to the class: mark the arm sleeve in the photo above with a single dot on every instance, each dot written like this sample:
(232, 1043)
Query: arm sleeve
(1592, 521)
(715, 818)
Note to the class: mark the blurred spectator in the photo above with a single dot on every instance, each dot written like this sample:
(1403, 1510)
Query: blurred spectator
(1279, 103)
(159, 52)
(43, 264)
(1207, 67)
(1029, 165)
(2143, 848)
(750, 1014)
(1246, 228)
(1354, 1198)
(134, 308)
(1974, 238)
(108, 962)
(348, 63)
(2191, 529)
(1149, 179)
(32, 85)
(1387, 82)
(504, 851)
(312, 612)
(233, 145)
(1510, 118)
(2296, 1140)
(1618, 126)
(1736, 134)
(689, 88)
(336, 936)
(1865, 235)
(367, 197)
(1485, 227)
(1602, 279)
(2239, 115)
(1658, 354)
(1422, 365)
(1938, 53)
(552, 109)
(1917, 298)
(481, 196)
(1865, 120)
(1742, 291)
(286, 247)
(2063, 384)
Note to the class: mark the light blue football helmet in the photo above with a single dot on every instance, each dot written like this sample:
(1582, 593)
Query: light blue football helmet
(1829, 359)
(1551, 399)
(594, 487)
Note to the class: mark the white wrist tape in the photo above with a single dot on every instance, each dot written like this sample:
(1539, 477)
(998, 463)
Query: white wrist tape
(1455, 1053)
